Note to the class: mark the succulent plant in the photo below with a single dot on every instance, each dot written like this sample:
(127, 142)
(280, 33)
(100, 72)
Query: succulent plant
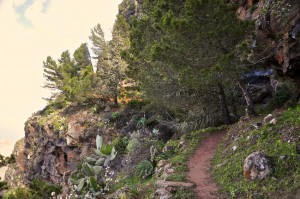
(90, 179)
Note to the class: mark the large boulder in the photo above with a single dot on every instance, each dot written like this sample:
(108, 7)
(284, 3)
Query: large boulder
(256, 166)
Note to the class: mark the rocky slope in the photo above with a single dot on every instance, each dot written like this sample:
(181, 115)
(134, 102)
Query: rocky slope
(56, 140)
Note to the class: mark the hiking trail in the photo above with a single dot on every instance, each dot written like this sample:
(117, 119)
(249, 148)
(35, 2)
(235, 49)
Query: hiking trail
(200, 167)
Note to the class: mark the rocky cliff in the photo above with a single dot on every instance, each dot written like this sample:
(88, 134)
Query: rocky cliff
(277, 36)
(56, 141)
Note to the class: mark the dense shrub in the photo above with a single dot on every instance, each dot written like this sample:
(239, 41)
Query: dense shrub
(18, 193)
(41, 189)
(282, 95)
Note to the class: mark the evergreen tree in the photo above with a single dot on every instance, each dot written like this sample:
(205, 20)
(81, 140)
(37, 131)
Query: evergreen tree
(70, 77)
(98, 41)
(178, 49)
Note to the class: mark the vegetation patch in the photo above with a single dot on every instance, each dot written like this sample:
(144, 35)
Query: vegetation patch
(278, 142)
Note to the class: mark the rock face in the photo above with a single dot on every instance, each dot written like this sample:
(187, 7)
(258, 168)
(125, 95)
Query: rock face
(55, 143)
(14, 174)
(278, 33)
(256, 166)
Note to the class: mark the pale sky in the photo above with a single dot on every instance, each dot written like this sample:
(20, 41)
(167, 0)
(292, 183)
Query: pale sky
(31, 30)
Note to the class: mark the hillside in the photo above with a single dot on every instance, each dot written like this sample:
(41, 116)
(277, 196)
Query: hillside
(278, 139)
(189, 99)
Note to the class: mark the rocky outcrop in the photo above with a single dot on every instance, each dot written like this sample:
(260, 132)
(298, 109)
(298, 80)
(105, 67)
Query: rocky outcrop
(14, 174)
(256, 166)
(55, 143)
(277, 41)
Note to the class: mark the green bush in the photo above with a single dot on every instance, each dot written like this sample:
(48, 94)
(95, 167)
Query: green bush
(120, 145)
(136, 104)
(282, 95)
(18, 193)
(144, 169)
(3, 185)
(115, 115)
(41, 189)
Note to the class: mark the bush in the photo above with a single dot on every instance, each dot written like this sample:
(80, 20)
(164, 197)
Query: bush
(3, 185)
(120, 145)
(144, 169)
(42, 189)
(115, 115)
(282, 95)
(18, 193)
(136, 104)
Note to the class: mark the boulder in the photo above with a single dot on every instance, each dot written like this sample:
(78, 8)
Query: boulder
(268, 119)
(256, 166)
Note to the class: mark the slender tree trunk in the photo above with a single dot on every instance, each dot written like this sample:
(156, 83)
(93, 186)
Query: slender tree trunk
(223, 102)
(116, 100)
(250, 112)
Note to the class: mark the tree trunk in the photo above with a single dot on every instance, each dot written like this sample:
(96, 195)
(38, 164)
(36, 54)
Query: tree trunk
(223, 102)
(116, 100)
(250, 112)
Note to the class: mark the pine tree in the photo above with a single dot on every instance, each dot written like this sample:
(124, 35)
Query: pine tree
(98, 40)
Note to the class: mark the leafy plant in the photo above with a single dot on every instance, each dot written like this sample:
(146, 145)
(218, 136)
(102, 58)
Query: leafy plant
(115, 115)
(96, 108)
(94, 176)
(142, 121)
(120, 144)
(144, 169)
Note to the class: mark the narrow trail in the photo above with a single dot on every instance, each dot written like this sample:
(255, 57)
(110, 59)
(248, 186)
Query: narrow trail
(200, 167)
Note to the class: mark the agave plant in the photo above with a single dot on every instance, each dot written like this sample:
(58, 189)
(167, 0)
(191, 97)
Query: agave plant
(90, 179)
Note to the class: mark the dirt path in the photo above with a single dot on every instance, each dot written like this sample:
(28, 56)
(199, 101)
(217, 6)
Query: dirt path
(200, 167)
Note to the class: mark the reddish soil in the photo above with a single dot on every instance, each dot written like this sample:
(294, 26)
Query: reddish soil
(200, 167)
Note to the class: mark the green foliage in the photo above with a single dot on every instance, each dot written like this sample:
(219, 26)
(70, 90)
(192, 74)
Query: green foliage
(144, 169)
(136, 104)
(37, 189)
(282, 95)
(56, 119)
(120, 145)
(184, 193)
(142, 121)
(96, 108)
(41, 189)
(110, 66)
(181, 55)
(18, 193)
(115, 115)
(80, 88)
(278, 142)
(3, 185)
(7, 160)
(72, 78)
(93, 177)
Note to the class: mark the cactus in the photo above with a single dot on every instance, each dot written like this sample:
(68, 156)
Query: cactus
(99, 142)
(89, 180)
